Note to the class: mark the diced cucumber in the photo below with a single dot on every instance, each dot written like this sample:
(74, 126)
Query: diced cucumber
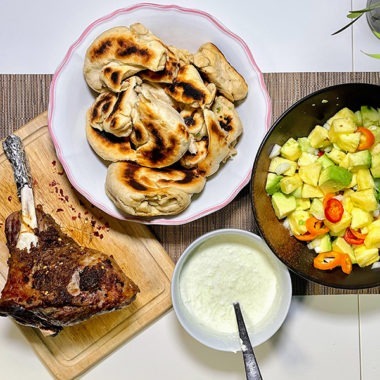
(370, 116)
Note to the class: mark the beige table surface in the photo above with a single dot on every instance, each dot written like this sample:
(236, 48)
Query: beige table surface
(23, 97)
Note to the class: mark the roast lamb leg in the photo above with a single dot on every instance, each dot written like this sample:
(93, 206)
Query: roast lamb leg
(52, 281)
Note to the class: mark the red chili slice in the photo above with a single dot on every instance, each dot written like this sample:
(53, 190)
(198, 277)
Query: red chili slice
(358, 234)
(350, 237)
(334, 210)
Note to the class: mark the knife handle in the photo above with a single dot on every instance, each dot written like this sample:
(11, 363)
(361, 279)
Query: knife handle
(14, 150)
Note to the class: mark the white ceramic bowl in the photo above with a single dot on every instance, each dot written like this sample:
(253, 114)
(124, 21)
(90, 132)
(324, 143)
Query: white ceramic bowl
(274, 306)
(70, 97)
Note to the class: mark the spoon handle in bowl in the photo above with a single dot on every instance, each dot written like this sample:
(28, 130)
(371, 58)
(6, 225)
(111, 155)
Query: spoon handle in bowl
(251, 368)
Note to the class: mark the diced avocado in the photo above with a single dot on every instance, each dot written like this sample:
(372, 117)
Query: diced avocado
(375, 165)
(364, 179)
(366, 256)
(334, 178)
(348, 142)
(319, 137)
(280, 165)
(306, 159)
(288, 184)
(340, 245)
(316, 209)
(310, 191)
(305, 146)
(321, 244)
(325, 161)
(297, 221)
(341, 126)
(272, 184)
(372, 240)
(302, 204)
(291, 150)
(283, 204)
(364, 199)
(344, 113)
(360, 218)
(359, 160)
(336, 155)
(370, 116)
(336, 228)
(310, 173)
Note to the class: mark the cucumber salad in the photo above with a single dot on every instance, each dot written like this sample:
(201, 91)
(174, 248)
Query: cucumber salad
(325, 188)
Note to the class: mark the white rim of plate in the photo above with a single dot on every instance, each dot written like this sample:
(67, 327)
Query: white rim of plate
(51, 108)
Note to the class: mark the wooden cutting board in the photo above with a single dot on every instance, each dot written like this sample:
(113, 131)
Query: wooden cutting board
(139, 254)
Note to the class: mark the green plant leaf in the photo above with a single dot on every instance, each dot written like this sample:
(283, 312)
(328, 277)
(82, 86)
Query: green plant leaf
(354, 14)
(346, 26)
(377, 56)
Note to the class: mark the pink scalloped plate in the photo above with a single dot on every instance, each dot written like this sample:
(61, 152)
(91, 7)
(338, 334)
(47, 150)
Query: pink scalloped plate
(70, 98)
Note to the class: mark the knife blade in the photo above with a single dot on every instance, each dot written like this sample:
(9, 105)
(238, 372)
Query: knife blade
(251, 367)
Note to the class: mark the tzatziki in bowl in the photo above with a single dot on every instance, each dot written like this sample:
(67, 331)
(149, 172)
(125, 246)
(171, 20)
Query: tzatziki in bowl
(223, 267)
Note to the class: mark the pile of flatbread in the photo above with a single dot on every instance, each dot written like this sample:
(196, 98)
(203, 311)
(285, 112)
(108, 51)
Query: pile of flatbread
(163, 117)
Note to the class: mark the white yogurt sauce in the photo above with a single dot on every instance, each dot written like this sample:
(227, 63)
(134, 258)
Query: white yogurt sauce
(222, 272)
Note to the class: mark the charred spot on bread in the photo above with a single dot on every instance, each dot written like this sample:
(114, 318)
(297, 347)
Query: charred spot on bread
(101, 49)
(225, 123)
(187, 90)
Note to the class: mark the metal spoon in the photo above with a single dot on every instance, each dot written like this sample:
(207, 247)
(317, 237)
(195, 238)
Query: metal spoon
(252, 370)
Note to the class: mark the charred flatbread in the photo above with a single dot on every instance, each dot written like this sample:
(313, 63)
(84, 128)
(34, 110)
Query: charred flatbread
(149, 192)
(121, 52)
(214, 66)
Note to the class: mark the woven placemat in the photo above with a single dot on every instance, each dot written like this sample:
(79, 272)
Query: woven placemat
(23, 97)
